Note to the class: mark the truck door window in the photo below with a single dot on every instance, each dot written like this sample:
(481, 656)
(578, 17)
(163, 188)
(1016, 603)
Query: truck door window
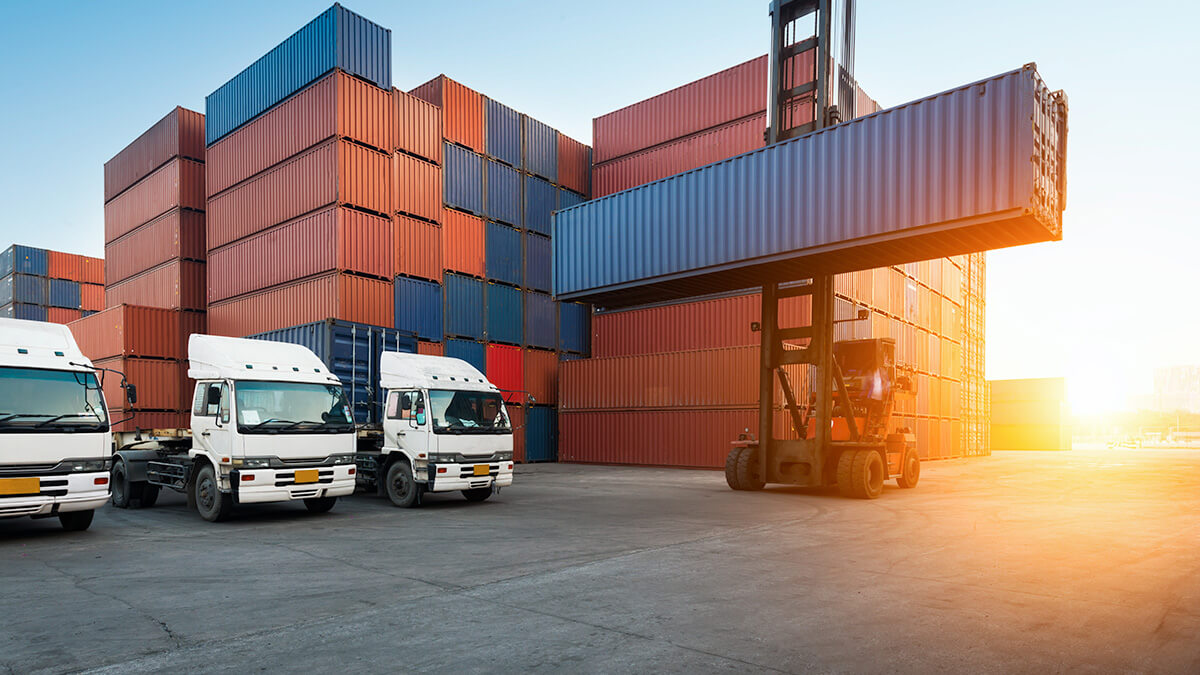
(199, 404)
(410, 402)
(393, 405)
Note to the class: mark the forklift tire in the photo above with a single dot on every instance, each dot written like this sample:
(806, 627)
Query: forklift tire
(860, 474)
(319, 504)
(731, 468)
(401, 489)
(212, 504)
(748, 470)
(76, 521)
(910, 470)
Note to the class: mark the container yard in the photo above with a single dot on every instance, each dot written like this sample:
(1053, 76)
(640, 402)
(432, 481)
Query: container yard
(708, 384)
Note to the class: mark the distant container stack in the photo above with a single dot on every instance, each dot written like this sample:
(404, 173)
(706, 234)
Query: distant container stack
(42, 285)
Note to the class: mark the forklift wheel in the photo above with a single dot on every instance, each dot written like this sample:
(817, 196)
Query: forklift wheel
(860, 474)
(748, 469)
(731, 468)
(910, 470)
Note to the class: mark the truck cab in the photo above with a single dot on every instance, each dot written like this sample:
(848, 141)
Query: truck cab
(55, 438)
(445, 429)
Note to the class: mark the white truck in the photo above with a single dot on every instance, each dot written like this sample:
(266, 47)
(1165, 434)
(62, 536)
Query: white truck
(269, 423)
(55, 438)
(445, 428)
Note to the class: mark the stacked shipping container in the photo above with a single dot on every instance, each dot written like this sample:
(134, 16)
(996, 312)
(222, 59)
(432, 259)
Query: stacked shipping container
(42, 285)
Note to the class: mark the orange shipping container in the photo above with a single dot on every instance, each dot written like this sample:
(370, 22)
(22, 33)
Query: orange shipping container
(462, 243)
(177, 184)
(179, 284)
(161, 385)
(541, 376)
(330, 296)
(418, 126)
(62, 315)
(91, 297)
(144, 420)
(462, 110)
(418, 187)
(175, 234)
(128, 330)
(179, 134)
(93, 270)
(335, 172)
(64, 265)
(418, 248)
(574, 165)
(345, 240)
(431, 348)
(336, 105)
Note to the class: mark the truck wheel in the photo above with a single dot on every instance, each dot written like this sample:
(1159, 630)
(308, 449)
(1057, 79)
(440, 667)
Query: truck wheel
(749, 474)
(149, 495)
(477, 494)
(731, 468)
(910, 470)
(401, 488)
(212, 505)
(319, 504)
(76, 521)
(119, 485)
(860, 474)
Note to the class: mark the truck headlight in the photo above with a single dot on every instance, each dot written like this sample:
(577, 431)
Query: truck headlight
(504, 456)
(253, 462)
(342, 459)
(82, 465)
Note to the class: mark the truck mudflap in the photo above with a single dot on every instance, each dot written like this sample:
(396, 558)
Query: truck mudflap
(48, 495)
(257, 486)
(469, 476)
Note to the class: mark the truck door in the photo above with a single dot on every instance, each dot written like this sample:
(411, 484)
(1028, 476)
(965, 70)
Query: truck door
(211, 430)
(407, 408)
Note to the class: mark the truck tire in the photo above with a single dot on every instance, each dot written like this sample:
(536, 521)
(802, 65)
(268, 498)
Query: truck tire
(731, 468)
(122, 490)
(149, 495)
(76, 521)
(212, 504)
(401, 488)
(910, 470)
(477, 494)
(748, 469)
(319, 504)
(860, 474)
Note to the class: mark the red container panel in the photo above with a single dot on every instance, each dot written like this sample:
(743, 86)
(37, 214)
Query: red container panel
(161, 385)
(462, 110)
(332, 239)
(574, 164)
(463, 243)
(128, 330)
(418, 126)
(93, 270)
(506, 370)
(431, 348)
(64, 265)
(176, 234)
(179, 284)
(541, 376)
(91, 297)
(335, 172)
(179, 134)
(418, 187)
(144, 419)
(417, 249)
(331, 296)
(336, 105)
(516, 417)
(62, 315)
(177, 184)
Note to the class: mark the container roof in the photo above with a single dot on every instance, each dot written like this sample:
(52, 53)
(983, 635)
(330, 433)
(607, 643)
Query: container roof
(38, 344)
(423, 371)
(213, 357)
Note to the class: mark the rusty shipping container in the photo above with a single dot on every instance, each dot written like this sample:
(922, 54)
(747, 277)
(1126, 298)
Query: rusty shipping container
(144, 420)
(332, 239)
(179, 284)
(129, 330)
(541, 376)
(338, 105)
(574, 165)
(463, 243)
(335, 172)
(418, 187)
(431, 348)
(179, 134)
(330, 296)
(417, 248)
(91, 297)
(418, 126)
(175, 234)
(161, 384)
(62, 315)
(462, 110)
(177, 184)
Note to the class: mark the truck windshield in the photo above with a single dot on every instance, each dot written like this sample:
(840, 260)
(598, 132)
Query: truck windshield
(291, 407)
(477, 412)
(34, 400)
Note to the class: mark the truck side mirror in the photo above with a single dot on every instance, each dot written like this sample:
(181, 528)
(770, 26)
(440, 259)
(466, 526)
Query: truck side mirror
(131, 393)
(421, 417)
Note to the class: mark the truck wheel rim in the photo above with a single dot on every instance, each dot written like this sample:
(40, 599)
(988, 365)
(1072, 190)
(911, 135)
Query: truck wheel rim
(400, 485)
(206, 495)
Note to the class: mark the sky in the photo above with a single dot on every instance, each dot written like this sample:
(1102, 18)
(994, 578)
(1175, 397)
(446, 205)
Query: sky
(1104, 307)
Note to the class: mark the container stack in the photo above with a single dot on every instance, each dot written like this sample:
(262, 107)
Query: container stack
(673, 419)
(41, 285)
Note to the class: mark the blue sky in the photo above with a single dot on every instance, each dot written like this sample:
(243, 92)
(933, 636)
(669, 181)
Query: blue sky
(1115, 299)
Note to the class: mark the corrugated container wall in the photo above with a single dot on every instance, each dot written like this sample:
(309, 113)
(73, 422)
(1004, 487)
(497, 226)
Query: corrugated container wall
(161, 385)
(463, 179)
(503, 194)
(419, 307)
(417, 248)
(541, 376)
(537, 262)
(177, 184)
(462, 110)
(541, 434)
(463, 306)
(503, 132)
(539, 320)
(20, 310)
(506, 370)
(179, 134)
(574, 165)
(541, 198)
(540, 155)
(24, 260)
(474, 353)
(130, 330)
(417, 188)
(330, 296)
(503, 245)
(175, 234)
(504, 316)
(179, 284)
(574, 327)
(463, 244)
(418, 127)
(64, 293)
(24, 288)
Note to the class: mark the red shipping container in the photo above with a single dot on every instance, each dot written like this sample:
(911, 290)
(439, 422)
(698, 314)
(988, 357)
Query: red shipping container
(335, 172)
(345, 240)
(91, 297)
(177, 184)
(330, 296)
(179, 284)
(175, 234)
(418, 126)
(463, 243)
(62, 315)
(418, 187)
(431, 348)
(336, 105)
(516, 417)
(574, 163)
(144, 420)
(541, 376)
(179, 134)
(161, 384)
(462, 110)
(417, 248)
(93, 271)
(64, 265)
(675, 157)
(128, 330)
(190, 323)
(506, 370)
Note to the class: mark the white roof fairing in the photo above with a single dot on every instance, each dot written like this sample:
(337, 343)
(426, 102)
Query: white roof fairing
(45, 345)
(422, 371)
(212, 357)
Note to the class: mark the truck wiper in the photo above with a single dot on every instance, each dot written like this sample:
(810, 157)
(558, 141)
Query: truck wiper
(13, 416)
(289, 423)
(59, 417)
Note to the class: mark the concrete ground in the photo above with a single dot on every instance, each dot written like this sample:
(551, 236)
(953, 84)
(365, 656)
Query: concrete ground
(1033, 562)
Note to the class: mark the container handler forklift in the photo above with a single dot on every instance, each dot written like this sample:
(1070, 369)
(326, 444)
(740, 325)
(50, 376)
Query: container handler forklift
(843, 437)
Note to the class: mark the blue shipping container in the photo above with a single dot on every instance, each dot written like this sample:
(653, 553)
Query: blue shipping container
(419, 307)
(503, 130)
(541, 434)
(352, 352)
(24, 288)
(502, 249)
(473, 353)
(541, 149)
(540, 320)
(567, 199)
(540, 201)
(338, 38)
(24, 260)
(537, 262)
(503, 194)
(567, 356)
(64, 293)
(462, 306)
(504, 315)
(88, 312)
(574, 327)
(462, 179)
(20, 310)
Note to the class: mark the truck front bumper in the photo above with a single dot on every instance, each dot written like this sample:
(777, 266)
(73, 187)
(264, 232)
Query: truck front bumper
(451, 477)
(59, 493)
(257, 486)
